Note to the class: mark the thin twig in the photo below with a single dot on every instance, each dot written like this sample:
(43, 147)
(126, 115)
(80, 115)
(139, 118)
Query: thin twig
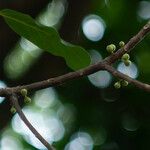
(15, 103)
(85, 71)
(120, 75)
(130, 45)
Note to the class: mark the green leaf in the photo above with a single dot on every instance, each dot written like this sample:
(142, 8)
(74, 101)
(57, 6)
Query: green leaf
(46, 38)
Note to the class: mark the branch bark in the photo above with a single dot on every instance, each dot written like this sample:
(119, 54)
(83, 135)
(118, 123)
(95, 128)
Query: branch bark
(130, 45)
(120, 75)
(15, 104)
(106, 64)
(103, 65)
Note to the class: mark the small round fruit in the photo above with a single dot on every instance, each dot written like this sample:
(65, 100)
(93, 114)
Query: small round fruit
(121, 44)
(24, 92)
(13, 110)
(27, 99)
(117, 85)
(127, 62)
(125, 57)
(124, 83)
(111, 48)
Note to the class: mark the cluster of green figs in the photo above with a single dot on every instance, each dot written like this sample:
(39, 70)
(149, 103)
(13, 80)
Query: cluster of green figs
(125, 59)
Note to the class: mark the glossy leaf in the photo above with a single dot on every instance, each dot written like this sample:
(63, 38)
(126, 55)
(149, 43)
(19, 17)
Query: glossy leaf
(46, 38)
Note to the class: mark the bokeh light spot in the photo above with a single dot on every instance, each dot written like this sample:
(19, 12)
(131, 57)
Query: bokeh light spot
(54, 12)
(47, 124)
(2, 85)
(144, 10)
(67, 114)
(45, 98)
(100, 79)
(95, 56)
(130, 123)
(80, 141)
(9, 141)
(131, 70)
(99, 136)
(93, 27)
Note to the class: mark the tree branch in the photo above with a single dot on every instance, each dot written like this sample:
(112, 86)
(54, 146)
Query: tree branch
(88, 70)
(103, 65)
(130, 45)
(120, 75)
(15, 103)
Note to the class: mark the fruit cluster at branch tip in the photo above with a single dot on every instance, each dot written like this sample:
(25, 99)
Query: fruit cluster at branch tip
(120, 83)
(24, 93)
(117, 85)
(125, 59)
(124, 83)
(121, 44)
(111, 48)
(13, 110)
